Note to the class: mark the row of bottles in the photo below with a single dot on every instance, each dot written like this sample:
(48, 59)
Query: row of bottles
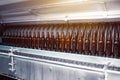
(89, 39)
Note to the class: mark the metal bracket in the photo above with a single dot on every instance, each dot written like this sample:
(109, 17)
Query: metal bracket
(105, 70)
(12, 63)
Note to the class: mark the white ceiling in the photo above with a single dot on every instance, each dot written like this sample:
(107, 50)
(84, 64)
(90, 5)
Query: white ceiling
(36, 10)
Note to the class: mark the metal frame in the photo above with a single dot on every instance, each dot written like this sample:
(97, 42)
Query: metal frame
(60, 59)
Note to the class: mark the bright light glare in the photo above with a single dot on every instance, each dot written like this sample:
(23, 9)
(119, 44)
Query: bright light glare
(75, 0)
(83, 15)
(88, 15)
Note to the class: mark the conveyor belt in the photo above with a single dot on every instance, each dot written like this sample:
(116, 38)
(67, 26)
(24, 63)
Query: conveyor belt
(38, 54)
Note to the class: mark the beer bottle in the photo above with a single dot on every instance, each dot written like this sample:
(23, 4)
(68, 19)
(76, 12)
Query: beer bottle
(94, 43)
(34, 40)
(10, 38)
(4, 38)
(19, 39)
(87, 44)
(38, 40)
(116, 45)
(16, 42)
(101, 44)
(14, 39)
(68, 42)
(7, 38)
(52, 41)
(15, 36)
(47, 41)
(42, 41)
(57, 42)
(30, 40)
(108, 45)
(62, 42)
(22, 39)
(80, 43)
(26, 40)
(4, 41)
(74, 42)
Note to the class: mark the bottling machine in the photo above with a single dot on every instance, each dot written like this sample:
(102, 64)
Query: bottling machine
(54, 40)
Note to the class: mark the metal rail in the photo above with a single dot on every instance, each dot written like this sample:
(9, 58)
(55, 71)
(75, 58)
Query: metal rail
(13, 55)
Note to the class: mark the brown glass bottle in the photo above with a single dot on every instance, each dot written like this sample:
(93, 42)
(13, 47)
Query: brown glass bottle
(36, 45)
(87, 44)
(94, 43)
(34, 40)
(68, 42)
(19, 38)
(52, 43)
(10, 37)
(30, 40)
(43, 41)
(80, 43)
(116, 45)
(57, 42)
(14, 39)
(47, 41)
(22, 39)
(101, 44)
(62, 42)
(3, 38)
(7, 39)
(38, 40)
(74, 42)
(26, 40)
(108, 50)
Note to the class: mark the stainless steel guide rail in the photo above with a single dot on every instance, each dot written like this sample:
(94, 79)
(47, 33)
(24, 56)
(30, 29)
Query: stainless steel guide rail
(85, 62)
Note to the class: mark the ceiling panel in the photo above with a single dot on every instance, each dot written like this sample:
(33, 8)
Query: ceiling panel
(16, 10)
